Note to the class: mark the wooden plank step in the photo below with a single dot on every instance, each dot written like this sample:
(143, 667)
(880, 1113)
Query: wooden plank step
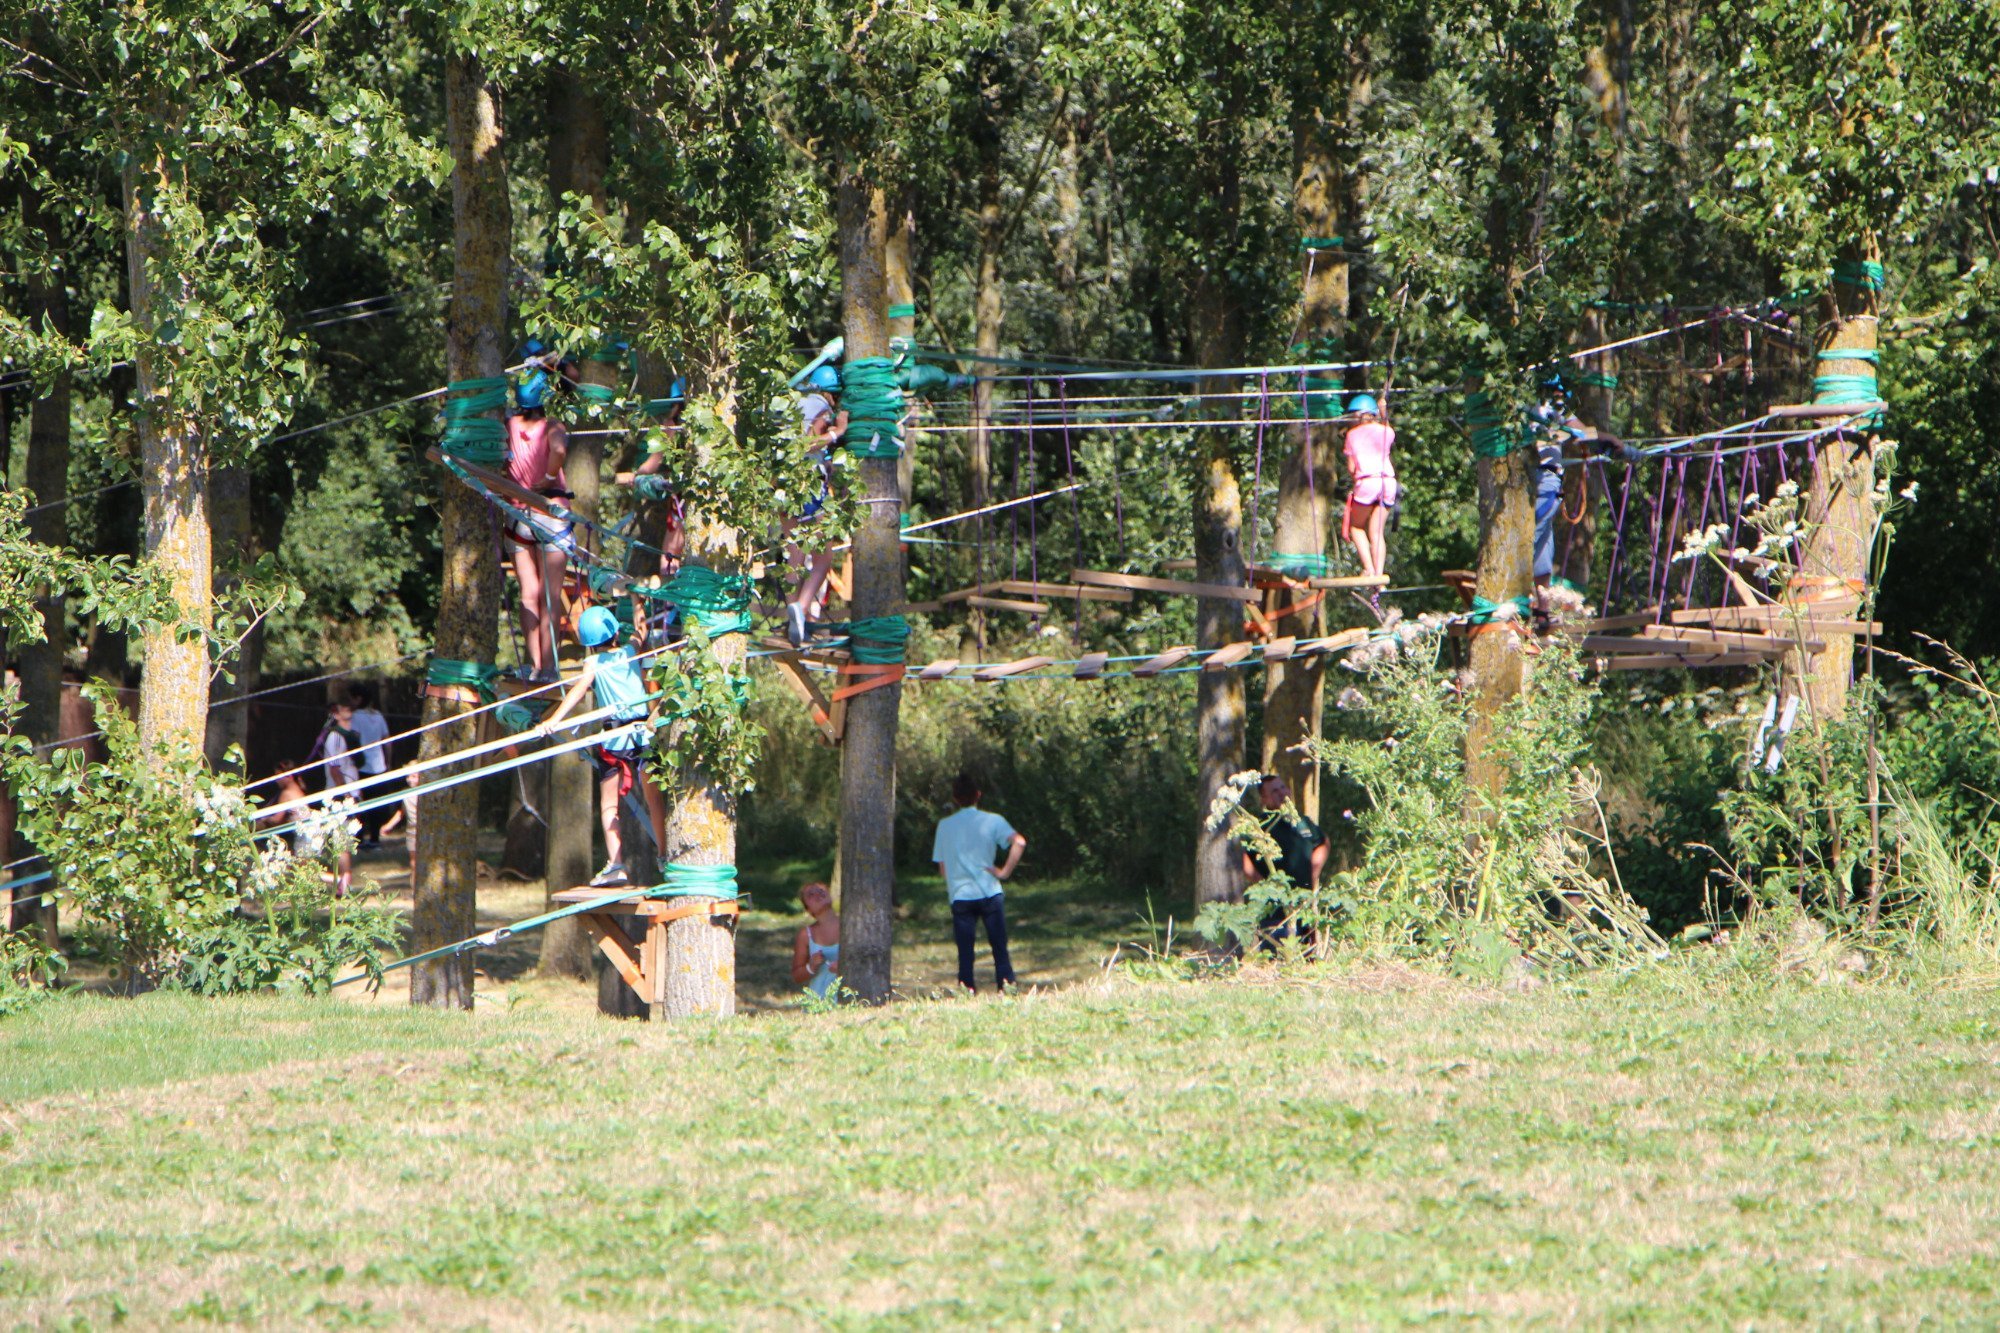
(1666, 662)
(1153, 666)
(1730, 640)
(1332, 643)
(939, 669)
(1176, 586)
(1634, 620)
(1809, 616)
(1351, 581)
(1030, 588)
(1228, 656)
(1002, 670)
(1004, 604)
(1091, 665)
(1609, 644)
(1277, 650)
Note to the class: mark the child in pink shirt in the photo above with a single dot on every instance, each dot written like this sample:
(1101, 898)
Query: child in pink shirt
(1375, 491)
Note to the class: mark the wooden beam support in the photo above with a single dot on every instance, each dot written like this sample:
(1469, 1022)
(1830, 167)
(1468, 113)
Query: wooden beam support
(1172, 586)
(809, 694)
(618, 947)
(1153, 666)
(976, 590)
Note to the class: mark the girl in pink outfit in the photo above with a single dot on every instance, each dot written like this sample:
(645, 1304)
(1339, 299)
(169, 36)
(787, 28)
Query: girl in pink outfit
(537, 449)
(1375, 491)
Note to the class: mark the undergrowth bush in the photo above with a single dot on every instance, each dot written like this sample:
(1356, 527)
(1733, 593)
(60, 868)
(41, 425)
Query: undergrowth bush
(157, 855)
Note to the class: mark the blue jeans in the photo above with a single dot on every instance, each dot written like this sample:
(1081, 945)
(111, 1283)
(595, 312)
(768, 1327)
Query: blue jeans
(966, 914)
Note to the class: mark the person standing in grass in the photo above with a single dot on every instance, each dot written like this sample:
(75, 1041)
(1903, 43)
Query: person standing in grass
(816, 951)
(965, 848)
(1302, 851)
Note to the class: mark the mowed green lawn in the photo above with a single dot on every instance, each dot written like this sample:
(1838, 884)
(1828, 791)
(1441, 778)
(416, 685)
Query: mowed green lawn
(1370, 1149)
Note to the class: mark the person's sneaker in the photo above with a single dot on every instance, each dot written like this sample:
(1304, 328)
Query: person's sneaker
(795, 624)
(611, 877)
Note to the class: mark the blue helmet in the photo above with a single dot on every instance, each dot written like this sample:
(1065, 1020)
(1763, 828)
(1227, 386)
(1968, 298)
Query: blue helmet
(1362, 402)
(596, 627)
(825, 377)
(533, 391)
(677, 392)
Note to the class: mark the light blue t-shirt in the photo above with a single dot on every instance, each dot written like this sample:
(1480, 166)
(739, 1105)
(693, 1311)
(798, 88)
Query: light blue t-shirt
(616, 682)
(967, 845)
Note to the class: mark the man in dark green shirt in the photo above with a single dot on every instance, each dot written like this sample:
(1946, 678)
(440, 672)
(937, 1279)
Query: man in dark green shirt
(1302, 848)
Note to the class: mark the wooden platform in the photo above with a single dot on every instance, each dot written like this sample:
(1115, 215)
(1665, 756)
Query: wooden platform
(642, 962)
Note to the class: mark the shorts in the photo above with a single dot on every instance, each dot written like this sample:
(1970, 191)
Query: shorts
(812, 510)
(615, 759)
(1378, 490)
(539, 529)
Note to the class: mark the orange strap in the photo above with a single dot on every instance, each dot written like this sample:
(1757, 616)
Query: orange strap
(878, 675)
(1298, 607)
(728, 907)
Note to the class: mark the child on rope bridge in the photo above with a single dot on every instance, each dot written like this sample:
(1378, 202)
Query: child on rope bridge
(537, 449)
(616, 680)
(1554, 424)
(825, 423)
(1366, 519)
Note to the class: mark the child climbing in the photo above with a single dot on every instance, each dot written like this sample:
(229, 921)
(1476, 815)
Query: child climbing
(650, 481)
(816, 951)
(614, 677)
(825, 423)
(537, 449)
(1554, 425)
(1366, 519)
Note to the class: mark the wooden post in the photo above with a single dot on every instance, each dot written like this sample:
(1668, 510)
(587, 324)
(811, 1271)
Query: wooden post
(868, 747)
(469, 597)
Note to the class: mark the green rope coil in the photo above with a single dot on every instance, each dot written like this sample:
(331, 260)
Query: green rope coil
(1849, 390)
(906, 310)
(468, 432)
(1319, 243)
(478, 676)
(683, 881)
(1865, 274)
(874, 404)
(1485, 613)
(720, 603)
(520, 714)
(1300, 566)
(1490, 439)
(1592, 379)
(874, 640)
(1322, 397)
(597, 393)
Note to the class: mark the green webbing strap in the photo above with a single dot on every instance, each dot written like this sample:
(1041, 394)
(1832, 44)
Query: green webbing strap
(682, 881)
(520, 714)
(873, 640)
(468, 432)
(1591, 379)
(472, 675)
(906, 310)
(1872, 355)
(1301, 566)
(597, 393)
(1865, 274)
(1322, 397)
(1846, 390)
(1485, 613)
(720, 603)
(874, 406)
(1490, 439)
(1319, 243)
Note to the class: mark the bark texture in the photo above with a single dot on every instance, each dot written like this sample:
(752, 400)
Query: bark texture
(48, 479)
(235, 538)
(469, 597)
(1220, 698)
(1506, 571)
(173, 480)
(868, 747)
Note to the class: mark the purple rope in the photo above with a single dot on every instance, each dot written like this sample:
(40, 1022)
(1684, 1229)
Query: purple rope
(1034, 543)
(1617, 538)
(1659, 523)
(1714, 463)
(1075, 504)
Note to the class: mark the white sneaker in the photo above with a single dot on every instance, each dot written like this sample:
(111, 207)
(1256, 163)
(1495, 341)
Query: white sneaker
(612, 876)
(795, 624)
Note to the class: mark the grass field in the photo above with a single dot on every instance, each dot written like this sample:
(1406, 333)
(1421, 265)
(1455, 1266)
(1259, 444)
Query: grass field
(1371, 1149)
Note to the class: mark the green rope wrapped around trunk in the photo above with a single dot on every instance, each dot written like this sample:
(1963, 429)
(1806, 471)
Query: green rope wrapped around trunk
(684, 881)
(1490, 439)
(478, 676)
(874, 404)
(468, 432)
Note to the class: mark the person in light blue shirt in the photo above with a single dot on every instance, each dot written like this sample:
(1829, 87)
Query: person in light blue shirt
(613, 676)
(966, 848)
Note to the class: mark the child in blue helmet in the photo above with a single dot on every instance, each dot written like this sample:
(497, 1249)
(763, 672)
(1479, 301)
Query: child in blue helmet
(825, 422)
(537, 450)
(1365, 520)
(1553, 426)
(651, 485)
(614, 676)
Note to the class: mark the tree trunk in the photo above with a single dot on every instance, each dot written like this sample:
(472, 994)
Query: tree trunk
(235, 536)
(469, 596)
(988, 307)
(1295, 691)
(1220, 720)
(48, 478)
(868, 747)
(1840, 503)
(899, 277)
(579, 160)
(1068, 185)
(700, 962)
(1506, 571)
(173, 478)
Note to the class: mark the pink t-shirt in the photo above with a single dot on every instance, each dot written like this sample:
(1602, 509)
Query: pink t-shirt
(1368, 448)
(528, 451)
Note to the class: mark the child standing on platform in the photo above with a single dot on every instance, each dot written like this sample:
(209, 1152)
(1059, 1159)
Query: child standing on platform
(1365, 520)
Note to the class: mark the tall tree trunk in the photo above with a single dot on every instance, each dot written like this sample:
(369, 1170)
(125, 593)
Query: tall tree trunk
(1506, 571)
(868, 746)
(1322, 195)
(1841, 501)
(235, 536)
(173, 477)
(700, 962)
(1220, 720)
(579, 161)
(1067, 241)
(469, 597)
(48, 479)
(121, 521)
